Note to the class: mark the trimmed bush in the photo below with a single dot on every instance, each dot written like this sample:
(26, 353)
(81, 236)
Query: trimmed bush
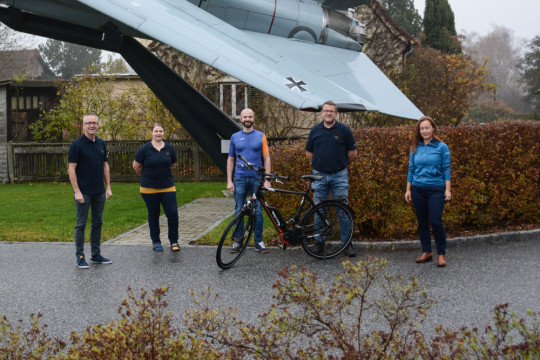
(495, 178)
(363, 313)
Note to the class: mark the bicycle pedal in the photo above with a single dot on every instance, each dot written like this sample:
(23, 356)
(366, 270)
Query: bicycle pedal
(283, 247)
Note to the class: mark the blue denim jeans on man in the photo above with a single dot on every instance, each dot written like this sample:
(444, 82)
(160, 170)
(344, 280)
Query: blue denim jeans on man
(97, 204)
(170, 208)
(429, 205)
(338, 185)
(243, 187)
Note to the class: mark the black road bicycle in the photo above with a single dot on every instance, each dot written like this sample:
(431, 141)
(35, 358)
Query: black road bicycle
(325, 230)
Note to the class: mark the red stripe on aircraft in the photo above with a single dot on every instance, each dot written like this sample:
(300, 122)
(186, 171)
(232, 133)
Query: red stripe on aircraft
(273, 17)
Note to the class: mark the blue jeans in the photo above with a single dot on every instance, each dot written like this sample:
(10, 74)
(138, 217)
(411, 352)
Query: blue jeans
(243, 187)
(338, 185)
(429, 205)
(97, 204)
(153, 203)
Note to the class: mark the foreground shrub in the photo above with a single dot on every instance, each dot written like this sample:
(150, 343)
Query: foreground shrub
(144, 331)
(495, 177)
(312, 321)
(31, 342)
(363, 314)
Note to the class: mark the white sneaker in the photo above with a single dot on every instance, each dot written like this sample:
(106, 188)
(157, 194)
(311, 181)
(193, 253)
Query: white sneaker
(260, 247)
(236, 247)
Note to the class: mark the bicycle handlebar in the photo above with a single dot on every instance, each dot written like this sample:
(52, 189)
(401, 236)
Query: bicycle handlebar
(276, 176)
(260, 170)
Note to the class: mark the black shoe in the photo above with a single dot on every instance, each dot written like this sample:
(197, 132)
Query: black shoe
(349, 251)
(318, 248)
(98, 259)
(81, 263)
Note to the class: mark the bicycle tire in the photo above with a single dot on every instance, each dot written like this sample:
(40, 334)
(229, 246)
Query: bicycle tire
(225, 258)
(327, 240)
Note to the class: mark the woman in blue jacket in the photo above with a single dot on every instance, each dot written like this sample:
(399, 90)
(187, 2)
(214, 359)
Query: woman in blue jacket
(428, 186)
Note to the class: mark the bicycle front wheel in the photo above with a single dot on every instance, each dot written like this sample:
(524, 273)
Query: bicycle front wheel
(328, 229)
(235, 239)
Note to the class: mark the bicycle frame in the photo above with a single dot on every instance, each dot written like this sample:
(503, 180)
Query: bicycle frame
(273, 213)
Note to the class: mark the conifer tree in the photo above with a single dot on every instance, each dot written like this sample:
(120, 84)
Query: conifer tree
(405, 15)
(439, 27)
(67, 59)
(530, 73)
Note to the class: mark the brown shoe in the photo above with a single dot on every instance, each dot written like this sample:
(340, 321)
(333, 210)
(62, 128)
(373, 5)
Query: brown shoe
(441, 260)
(425, 257)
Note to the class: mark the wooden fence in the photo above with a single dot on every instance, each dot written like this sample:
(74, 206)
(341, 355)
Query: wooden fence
(49, 162)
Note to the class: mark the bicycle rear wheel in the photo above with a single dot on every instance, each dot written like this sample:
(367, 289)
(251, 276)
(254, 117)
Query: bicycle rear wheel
(235, 239)
(328, 229)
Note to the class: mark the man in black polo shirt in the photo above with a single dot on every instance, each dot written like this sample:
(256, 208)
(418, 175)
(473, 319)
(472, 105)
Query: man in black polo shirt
(330, 148)
(88, 169)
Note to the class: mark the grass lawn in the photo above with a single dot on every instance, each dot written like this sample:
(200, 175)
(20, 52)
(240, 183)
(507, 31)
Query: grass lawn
(46, 211)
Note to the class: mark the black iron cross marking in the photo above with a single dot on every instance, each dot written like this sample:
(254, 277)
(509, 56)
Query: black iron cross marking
(296, 84)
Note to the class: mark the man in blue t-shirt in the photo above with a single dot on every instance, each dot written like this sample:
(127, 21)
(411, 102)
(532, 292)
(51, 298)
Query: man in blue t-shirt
(252, 145)
(330, 148)
(88, 169)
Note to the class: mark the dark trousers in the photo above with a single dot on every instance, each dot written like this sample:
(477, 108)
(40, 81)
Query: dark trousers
(429, 205)
(153, 203)
(95, 203)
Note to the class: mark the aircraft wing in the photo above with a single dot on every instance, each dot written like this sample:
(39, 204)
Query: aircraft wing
(357, 78)
(302, 74)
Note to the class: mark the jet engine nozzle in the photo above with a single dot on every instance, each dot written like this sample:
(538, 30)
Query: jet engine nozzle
(345, 24)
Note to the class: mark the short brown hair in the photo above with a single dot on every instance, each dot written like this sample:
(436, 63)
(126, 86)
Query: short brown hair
(330, 103)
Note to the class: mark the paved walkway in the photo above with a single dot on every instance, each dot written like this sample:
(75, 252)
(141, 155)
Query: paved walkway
(196, 219)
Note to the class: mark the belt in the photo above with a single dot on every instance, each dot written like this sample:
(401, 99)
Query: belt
(331, 172)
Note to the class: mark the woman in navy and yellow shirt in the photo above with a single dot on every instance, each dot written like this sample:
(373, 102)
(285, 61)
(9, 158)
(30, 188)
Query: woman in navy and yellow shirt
(428, 186)
(154, 162)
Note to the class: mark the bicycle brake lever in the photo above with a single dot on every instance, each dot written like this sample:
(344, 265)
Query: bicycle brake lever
(279, 181)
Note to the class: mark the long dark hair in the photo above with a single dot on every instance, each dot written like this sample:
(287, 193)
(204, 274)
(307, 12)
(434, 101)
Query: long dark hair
(417, 137)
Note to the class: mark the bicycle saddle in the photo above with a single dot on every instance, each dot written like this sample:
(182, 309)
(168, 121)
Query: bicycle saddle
(312, 177)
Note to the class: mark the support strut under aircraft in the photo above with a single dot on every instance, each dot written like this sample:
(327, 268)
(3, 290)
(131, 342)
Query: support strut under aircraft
(205, 122)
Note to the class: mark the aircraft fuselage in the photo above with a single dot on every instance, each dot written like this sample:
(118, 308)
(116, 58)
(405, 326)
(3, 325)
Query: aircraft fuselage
(303, 20)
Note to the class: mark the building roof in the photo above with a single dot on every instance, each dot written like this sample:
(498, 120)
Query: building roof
(32, 83)
(23, 65)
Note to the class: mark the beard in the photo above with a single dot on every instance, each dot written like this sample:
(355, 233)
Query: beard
(329, 122)
(247, 124)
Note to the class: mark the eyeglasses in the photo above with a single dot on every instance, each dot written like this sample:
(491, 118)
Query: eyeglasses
(91, 123)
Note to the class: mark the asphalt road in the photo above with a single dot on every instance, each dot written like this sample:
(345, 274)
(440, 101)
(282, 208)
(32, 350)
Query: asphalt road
(43, 277)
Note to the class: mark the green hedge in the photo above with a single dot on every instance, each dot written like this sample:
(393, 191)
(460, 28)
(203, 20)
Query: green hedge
(495, 177)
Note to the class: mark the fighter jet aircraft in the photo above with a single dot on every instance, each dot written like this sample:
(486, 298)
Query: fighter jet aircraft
(302, 52)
